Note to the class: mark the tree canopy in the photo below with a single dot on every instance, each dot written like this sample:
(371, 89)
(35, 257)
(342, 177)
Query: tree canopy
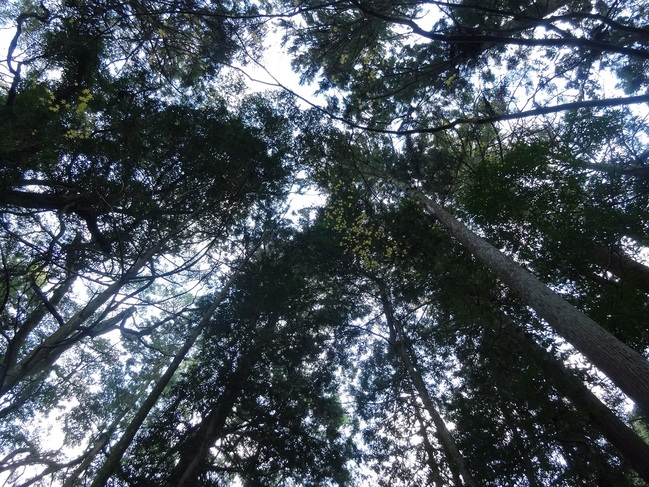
(465, 304)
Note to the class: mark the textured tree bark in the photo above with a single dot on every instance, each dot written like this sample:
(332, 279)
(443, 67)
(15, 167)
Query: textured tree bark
(621, 265)
(631, 447)
(455, 460)
(628, 369)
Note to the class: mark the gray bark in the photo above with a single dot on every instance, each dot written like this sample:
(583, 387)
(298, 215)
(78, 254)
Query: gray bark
(630, 446)
(622, 266)
(628, 369)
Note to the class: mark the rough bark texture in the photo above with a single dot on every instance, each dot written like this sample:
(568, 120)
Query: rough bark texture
(630, 446)
(628, 369)
(622, 266)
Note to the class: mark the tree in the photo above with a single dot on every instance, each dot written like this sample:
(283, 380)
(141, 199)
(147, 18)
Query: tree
(265, 397)
(399, 340)
(625, 367)
(368, 239)
(473, 64)
(109, 190)
(156, 302)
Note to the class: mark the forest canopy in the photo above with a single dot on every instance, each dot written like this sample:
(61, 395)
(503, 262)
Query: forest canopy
(466, 304)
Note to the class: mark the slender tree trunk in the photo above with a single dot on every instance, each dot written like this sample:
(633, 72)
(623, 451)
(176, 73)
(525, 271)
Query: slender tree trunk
(21, 396)
(118, 450)
(633, 169)
(621, 265)
(435, 475)
(18, 340)
(522, 449)
(628, 369)
(45, 354)
(455, 459)
(196, 452)
(36, 316)
(198, 447)
(630, 446)
(104, 438)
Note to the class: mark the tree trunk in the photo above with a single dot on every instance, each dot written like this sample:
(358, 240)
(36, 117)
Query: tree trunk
(628, 369)
(633, 169)
(194, 454)
(519, 442)
(45, 354)
(117, 452)
(34, 318)
(455, 459)
(103, 439)
(435, 476)
(622, 266)
(632, 449)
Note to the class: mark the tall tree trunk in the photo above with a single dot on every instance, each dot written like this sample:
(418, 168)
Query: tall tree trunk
(519, 442)
(631, 447)
(435, 476)
(103, 439)
(21, 396)
(193, 454)
(118, 450)
(628, 369)
(199, 446)
(619, 264)
(633, 169)
(191, 459)
(455, 459)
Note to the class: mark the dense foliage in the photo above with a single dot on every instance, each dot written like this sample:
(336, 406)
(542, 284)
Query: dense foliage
(465, 305)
